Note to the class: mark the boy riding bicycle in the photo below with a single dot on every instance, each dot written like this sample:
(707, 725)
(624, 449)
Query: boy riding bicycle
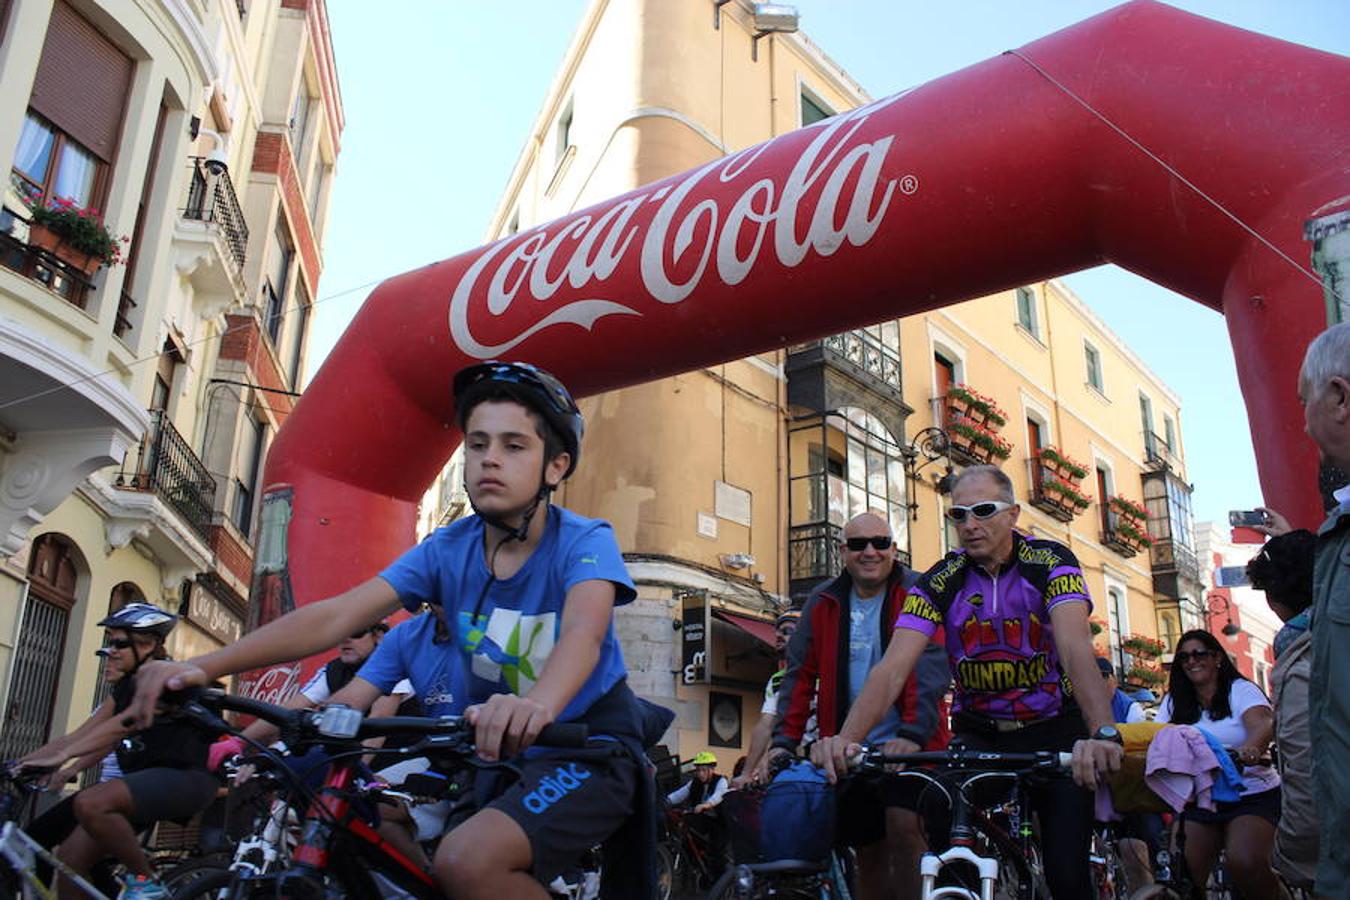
(520, 634)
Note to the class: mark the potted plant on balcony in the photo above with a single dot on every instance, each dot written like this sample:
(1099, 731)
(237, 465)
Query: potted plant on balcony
(1056, 461)
(1097, 626)
(1133, 535)
(1142, 645)
(1128, 508)
(963, 401)
(74, 234)
(1145, 675)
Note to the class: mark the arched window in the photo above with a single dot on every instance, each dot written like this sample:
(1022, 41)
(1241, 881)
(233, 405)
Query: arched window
(840, 465)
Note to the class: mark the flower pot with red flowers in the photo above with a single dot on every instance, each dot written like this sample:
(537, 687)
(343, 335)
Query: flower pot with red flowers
(1142, 645)
(963, 401)
(1061, 464)
(75, 235)
(1145, 676)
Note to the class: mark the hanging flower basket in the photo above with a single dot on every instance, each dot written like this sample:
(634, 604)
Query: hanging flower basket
(1143, 645)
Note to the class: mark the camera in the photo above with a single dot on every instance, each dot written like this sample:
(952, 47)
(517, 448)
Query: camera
(1247, 518)
(217, 163)
(1231, 576)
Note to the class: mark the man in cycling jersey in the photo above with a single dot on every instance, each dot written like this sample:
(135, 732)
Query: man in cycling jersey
(1014, 611)
(520, 634)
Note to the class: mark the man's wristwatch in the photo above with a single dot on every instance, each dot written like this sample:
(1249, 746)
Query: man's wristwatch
(1108, 733)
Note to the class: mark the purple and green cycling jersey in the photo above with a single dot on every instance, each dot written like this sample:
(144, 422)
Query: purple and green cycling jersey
(999, 639)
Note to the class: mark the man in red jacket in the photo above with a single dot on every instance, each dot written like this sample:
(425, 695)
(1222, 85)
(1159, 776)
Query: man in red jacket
(844, 629)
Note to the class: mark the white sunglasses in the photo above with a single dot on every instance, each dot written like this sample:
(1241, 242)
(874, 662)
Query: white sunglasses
(984, 510)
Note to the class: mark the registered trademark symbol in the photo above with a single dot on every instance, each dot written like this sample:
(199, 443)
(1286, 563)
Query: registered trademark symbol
(909, 184)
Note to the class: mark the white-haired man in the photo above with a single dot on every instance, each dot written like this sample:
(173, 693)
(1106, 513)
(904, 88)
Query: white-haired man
(1324, 390)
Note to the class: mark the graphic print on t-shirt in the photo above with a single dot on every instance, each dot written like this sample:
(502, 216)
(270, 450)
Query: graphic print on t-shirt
(509, 647)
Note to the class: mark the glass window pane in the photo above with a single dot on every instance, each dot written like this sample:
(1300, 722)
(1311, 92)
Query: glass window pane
(838, 501)
(890, 335)
(895, 480)
(807, 500)
(75, 173)
(857, 463)
(34, 150)
(899, 520)
(876, 472)
(857, 501)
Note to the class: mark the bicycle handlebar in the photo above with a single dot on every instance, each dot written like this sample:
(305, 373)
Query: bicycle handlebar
(1047, 760)
(344, 723)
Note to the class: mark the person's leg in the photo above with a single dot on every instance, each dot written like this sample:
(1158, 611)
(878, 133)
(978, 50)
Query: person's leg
(104, 812)
(487, 858)
(1202, 850)
(1065, 812)
(1134, 857)
(397, 827)
(1247, 845)
(80, 852)
(874, 871)
(906, 845)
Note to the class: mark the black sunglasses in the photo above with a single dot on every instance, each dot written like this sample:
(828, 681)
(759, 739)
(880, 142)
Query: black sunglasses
(1197, 655)
(120, 643)
(859, 544)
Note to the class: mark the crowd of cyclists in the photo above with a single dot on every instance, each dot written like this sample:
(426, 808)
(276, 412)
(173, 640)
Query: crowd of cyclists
(990, 650)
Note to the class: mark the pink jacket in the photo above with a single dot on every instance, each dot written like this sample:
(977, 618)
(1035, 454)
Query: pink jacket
(1180, 767)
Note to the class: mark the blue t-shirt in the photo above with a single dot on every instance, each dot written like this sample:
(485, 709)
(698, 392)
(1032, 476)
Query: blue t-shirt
(864, 652)
(505, 648)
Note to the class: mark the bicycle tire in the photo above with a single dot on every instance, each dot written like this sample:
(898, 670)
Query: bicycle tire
(665, 873)
(215, 885)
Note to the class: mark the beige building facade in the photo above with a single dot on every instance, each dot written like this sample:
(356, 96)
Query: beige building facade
(137, 400)
(727, 486)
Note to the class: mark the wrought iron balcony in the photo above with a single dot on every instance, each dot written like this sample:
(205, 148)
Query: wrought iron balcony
(1176, 571)
(1052, 495)
(1116, 539)
(211, 199)
(854, 368)
(166, 466)
(44, 267)
(1158, 455)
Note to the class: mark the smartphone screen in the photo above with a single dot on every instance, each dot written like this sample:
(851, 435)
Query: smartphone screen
(1240, 518)
(1231, 576)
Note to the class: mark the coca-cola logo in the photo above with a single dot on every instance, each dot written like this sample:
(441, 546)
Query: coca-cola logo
(275, 685)
(687, 235)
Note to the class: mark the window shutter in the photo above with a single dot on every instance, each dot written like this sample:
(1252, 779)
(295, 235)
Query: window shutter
(82, 82)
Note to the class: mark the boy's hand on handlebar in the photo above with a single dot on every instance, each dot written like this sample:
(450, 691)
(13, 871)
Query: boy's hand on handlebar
(156, 677)
(1094, 760)
(506, 725)
(832, 754)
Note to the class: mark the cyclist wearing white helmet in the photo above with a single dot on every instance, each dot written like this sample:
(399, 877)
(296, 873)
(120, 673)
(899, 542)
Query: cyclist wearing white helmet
(163, 766)
(520, 633)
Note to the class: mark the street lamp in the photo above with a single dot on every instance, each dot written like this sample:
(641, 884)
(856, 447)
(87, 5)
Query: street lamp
(1219, 605)
(928, 446)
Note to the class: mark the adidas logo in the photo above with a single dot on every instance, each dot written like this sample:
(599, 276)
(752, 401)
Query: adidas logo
(553, 788)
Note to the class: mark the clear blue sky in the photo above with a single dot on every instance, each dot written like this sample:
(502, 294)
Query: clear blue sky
(439, 98)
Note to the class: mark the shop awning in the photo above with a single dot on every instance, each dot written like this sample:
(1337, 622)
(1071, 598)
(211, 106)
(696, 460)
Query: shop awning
(756, 628)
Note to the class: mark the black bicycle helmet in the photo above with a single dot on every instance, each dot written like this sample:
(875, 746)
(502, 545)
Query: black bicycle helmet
(143, 618)
(531, 385)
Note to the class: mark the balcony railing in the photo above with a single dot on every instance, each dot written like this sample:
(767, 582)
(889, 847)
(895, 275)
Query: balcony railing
(122, 324)
(1113, 537)
(1158, 455)
(211, 199)
(863, 352)
(166, 466)
(45, 268)
(1169, 557)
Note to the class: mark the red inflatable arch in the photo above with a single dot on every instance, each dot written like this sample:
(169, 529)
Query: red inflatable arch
(1184, 150)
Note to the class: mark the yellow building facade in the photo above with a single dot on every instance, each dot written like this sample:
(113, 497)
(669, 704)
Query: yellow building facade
(137, 399)
(727, 486)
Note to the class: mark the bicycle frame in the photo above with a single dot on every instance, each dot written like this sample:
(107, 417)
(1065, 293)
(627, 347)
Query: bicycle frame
(22, 853)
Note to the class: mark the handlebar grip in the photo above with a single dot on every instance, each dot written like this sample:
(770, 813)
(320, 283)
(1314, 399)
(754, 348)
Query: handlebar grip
(564, 734)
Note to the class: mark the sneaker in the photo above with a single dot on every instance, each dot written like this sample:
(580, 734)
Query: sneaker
(139, 887)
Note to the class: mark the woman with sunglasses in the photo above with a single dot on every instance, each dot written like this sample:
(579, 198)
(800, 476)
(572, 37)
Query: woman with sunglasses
(1206, 690)
(163, 766)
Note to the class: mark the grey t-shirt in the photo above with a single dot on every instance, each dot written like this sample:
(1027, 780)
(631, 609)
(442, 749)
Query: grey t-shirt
(864, 652)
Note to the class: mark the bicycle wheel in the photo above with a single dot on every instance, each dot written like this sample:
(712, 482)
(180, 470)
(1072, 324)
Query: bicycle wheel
(213, 885)
(665, 873)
